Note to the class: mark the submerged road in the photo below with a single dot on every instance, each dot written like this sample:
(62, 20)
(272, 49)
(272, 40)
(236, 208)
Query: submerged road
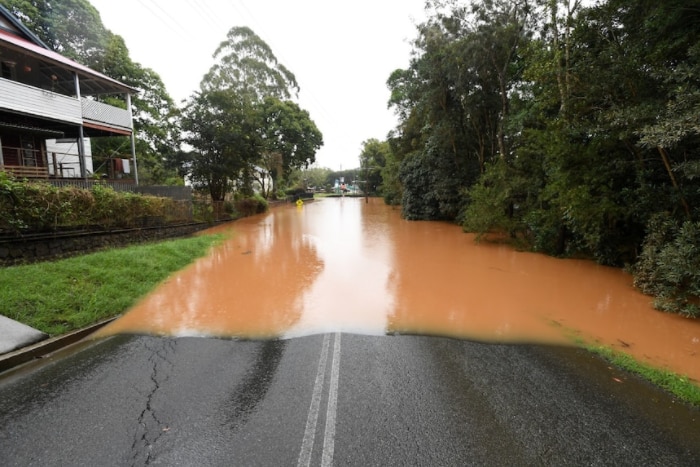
(336, 399)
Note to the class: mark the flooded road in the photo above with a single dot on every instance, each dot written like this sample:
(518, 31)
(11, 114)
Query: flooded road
(340, 265)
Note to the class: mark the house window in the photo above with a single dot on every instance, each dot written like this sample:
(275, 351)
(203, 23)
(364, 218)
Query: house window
(8, 70)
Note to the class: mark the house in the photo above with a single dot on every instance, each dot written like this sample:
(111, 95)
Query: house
(45, 96)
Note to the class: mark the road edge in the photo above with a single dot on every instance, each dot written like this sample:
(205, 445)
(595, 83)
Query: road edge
(40, 349)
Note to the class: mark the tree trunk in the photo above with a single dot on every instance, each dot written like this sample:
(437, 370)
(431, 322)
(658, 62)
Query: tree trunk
(667, 164)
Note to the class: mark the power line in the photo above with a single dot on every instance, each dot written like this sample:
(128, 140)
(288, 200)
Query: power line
(175, 21)
(167, 24)
(205, 13)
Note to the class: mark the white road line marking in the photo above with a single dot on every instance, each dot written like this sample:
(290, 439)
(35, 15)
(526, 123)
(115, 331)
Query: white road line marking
(307, 445)
(329, 435)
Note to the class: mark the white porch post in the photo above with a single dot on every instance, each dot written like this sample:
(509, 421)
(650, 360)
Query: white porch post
(133, 139)
(81, 136)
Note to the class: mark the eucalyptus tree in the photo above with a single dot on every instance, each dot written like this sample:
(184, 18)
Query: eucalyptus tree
(501, 27)
(430, 137)
(246, 64)
(276, 135)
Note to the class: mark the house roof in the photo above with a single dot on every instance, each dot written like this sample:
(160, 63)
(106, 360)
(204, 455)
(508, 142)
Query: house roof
(21, 28)
(91, 81)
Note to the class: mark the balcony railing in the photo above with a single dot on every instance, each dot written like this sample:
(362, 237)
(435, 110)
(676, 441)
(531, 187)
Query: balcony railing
(97, 112)
(19, 171)
(28, 100)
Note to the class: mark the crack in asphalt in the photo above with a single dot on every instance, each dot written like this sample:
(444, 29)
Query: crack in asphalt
(150, 427)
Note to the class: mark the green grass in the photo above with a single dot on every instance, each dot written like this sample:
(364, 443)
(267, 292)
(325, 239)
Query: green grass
(678, 385)
(60, 296)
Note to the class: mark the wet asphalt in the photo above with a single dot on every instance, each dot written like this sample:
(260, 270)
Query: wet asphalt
(336, 400)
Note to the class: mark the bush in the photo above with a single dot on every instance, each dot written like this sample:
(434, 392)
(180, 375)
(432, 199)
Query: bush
(491, 203)
(40, 207)
(295, 193)
(432, 187)
(669, 266)
(251, 205)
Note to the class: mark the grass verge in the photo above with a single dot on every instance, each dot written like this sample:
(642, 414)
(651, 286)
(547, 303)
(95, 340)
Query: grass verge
(61, 296)
(678, 385)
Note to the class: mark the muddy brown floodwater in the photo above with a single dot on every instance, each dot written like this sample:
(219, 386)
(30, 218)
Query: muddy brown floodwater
(344, 265)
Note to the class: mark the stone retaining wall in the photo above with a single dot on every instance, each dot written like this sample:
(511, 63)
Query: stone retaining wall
(43, 247)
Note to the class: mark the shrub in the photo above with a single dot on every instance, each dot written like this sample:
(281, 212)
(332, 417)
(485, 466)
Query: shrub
(38, 207)
(491, 202)
(295, 193)
(252, 205)
(34, 206)
(669, 266)
(431, 186)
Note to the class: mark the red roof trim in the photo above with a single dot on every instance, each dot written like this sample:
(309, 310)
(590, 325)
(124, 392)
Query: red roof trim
(110, 129)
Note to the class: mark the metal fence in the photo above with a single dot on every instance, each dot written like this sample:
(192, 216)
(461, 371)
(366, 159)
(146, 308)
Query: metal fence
(116, 185)
(178, 193)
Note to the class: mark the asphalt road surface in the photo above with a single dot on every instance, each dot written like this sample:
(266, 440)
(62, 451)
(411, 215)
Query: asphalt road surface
(336, 400)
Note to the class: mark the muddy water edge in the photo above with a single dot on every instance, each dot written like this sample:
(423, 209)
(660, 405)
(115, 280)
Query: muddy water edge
(344, 265)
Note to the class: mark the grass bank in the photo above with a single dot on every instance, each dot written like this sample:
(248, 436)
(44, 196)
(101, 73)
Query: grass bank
(678, 385)
(61, 296)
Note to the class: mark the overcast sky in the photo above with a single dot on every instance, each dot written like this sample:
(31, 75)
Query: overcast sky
(341, 52)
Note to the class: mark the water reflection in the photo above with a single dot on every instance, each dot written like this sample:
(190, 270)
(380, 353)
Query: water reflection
(350, 294)
(249, 287)
(343, 265)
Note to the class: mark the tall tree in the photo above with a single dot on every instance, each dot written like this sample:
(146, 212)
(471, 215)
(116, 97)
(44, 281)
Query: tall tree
(290, 139)
(456, 95)
(243, 123)
(245, 63)
(222, 128)
(373, 159)
(72, 28)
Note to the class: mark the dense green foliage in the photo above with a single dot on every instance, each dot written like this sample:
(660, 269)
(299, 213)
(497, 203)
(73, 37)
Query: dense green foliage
(669, 265)
(39, 207)
(60, 296)
(373, 159)
(567, 127)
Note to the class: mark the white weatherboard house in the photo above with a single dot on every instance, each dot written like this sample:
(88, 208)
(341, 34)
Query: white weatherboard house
(45, 96)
